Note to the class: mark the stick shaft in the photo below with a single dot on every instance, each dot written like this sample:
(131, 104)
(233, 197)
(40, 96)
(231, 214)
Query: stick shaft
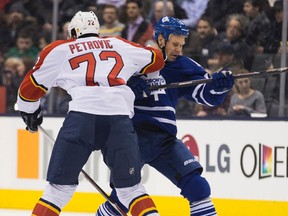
(101, 191)
(202, 81)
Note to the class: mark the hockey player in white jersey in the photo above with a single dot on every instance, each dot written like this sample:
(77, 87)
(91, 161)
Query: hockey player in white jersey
(94, 71)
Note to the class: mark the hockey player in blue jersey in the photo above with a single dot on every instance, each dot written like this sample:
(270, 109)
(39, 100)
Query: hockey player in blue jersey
(155, 119)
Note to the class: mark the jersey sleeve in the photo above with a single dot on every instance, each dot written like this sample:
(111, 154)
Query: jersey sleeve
(148, 59)
(201, 93)
(39, 79)
(157, 61)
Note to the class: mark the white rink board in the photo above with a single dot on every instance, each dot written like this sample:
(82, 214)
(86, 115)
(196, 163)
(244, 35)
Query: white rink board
(220, 143)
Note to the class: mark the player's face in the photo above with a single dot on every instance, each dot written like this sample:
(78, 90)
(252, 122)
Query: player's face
(174, 47)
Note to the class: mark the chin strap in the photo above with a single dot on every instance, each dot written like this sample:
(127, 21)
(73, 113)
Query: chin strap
(164, 53)
(163, 50)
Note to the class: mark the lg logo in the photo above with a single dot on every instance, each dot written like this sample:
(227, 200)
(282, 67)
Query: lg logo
(222, 162)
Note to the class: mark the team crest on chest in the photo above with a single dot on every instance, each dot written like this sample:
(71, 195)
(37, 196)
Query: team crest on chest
(155, 79)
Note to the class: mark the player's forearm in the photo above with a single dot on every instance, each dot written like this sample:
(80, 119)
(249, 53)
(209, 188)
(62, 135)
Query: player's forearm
(29, 94)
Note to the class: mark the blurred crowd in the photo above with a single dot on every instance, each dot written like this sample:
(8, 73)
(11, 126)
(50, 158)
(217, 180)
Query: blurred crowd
(240, 35)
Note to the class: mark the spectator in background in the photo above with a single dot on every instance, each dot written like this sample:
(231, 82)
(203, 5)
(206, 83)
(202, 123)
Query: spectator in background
(1, 59)
(6, 80)
(277, 19)
(43, 41)
(219, 10)
(259, 32)
(202, 44)
(29, 15)
(234, 35)
(64, 31)
(24, 47)
(159, 10)
(40, 10)
(119, 4)
(2, 75)
(15, 20)
(225, 58)
(67, 9)
(277, 22)
(17, 67)
(91, 6)
(12, 76)
(137, 29)
(2, 70)
(116, 3)
(5, 39)
(193, 11)
(246, 100)
(111, 25)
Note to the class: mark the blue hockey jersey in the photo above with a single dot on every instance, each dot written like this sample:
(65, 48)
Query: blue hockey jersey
(158, 109)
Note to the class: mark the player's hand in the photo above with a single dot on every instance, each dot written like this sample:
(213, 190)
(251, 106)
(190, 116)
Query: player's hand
(222, 81)
(139, 87)
(32, 120)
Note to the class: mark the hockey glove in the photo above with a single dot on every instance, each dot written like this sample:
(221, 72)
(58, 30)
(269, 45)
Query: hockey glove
(139, 87)
(32, 120)
(222, 81)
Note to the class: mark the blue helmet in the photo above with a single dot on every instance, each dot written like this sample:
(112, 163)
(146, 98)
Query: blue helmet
(170, 25)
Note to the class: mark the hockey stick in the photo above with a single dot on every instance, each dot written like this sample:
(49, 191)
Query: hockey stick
(101, 191)
(238, 76)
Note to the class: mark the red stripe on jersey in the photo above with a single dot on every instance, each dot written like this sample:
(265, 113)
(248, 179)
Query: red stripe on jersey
(142, 205)
(157, 62)
(30, 89)
(45, 209)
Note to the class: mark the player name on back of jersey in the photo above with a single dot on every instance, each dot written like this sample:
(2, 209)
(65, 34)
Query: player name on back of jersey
(90, 45)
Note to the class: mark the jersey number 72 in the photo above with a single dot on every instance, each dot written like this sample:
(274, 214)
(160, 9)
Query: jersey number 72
(91, 69)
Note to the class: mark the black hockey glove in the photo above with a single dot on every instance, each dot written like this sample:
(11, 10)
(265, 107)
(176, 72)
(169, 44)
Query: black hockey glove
(32, 120)
(138, 86)
(222, 81)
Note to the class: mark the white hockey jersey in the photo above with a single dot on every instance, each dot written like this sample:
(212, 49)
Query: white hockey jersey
(92, 70)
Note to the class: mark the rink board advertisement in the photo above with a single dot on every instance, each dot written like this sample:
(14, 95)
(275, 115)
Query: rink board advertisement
(245, 162)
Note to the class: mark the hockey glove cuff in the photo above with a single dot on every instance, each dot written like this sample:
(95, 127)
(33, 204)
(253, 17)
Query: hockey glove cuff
(32, 120)
(139, 87)
(222, 81)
